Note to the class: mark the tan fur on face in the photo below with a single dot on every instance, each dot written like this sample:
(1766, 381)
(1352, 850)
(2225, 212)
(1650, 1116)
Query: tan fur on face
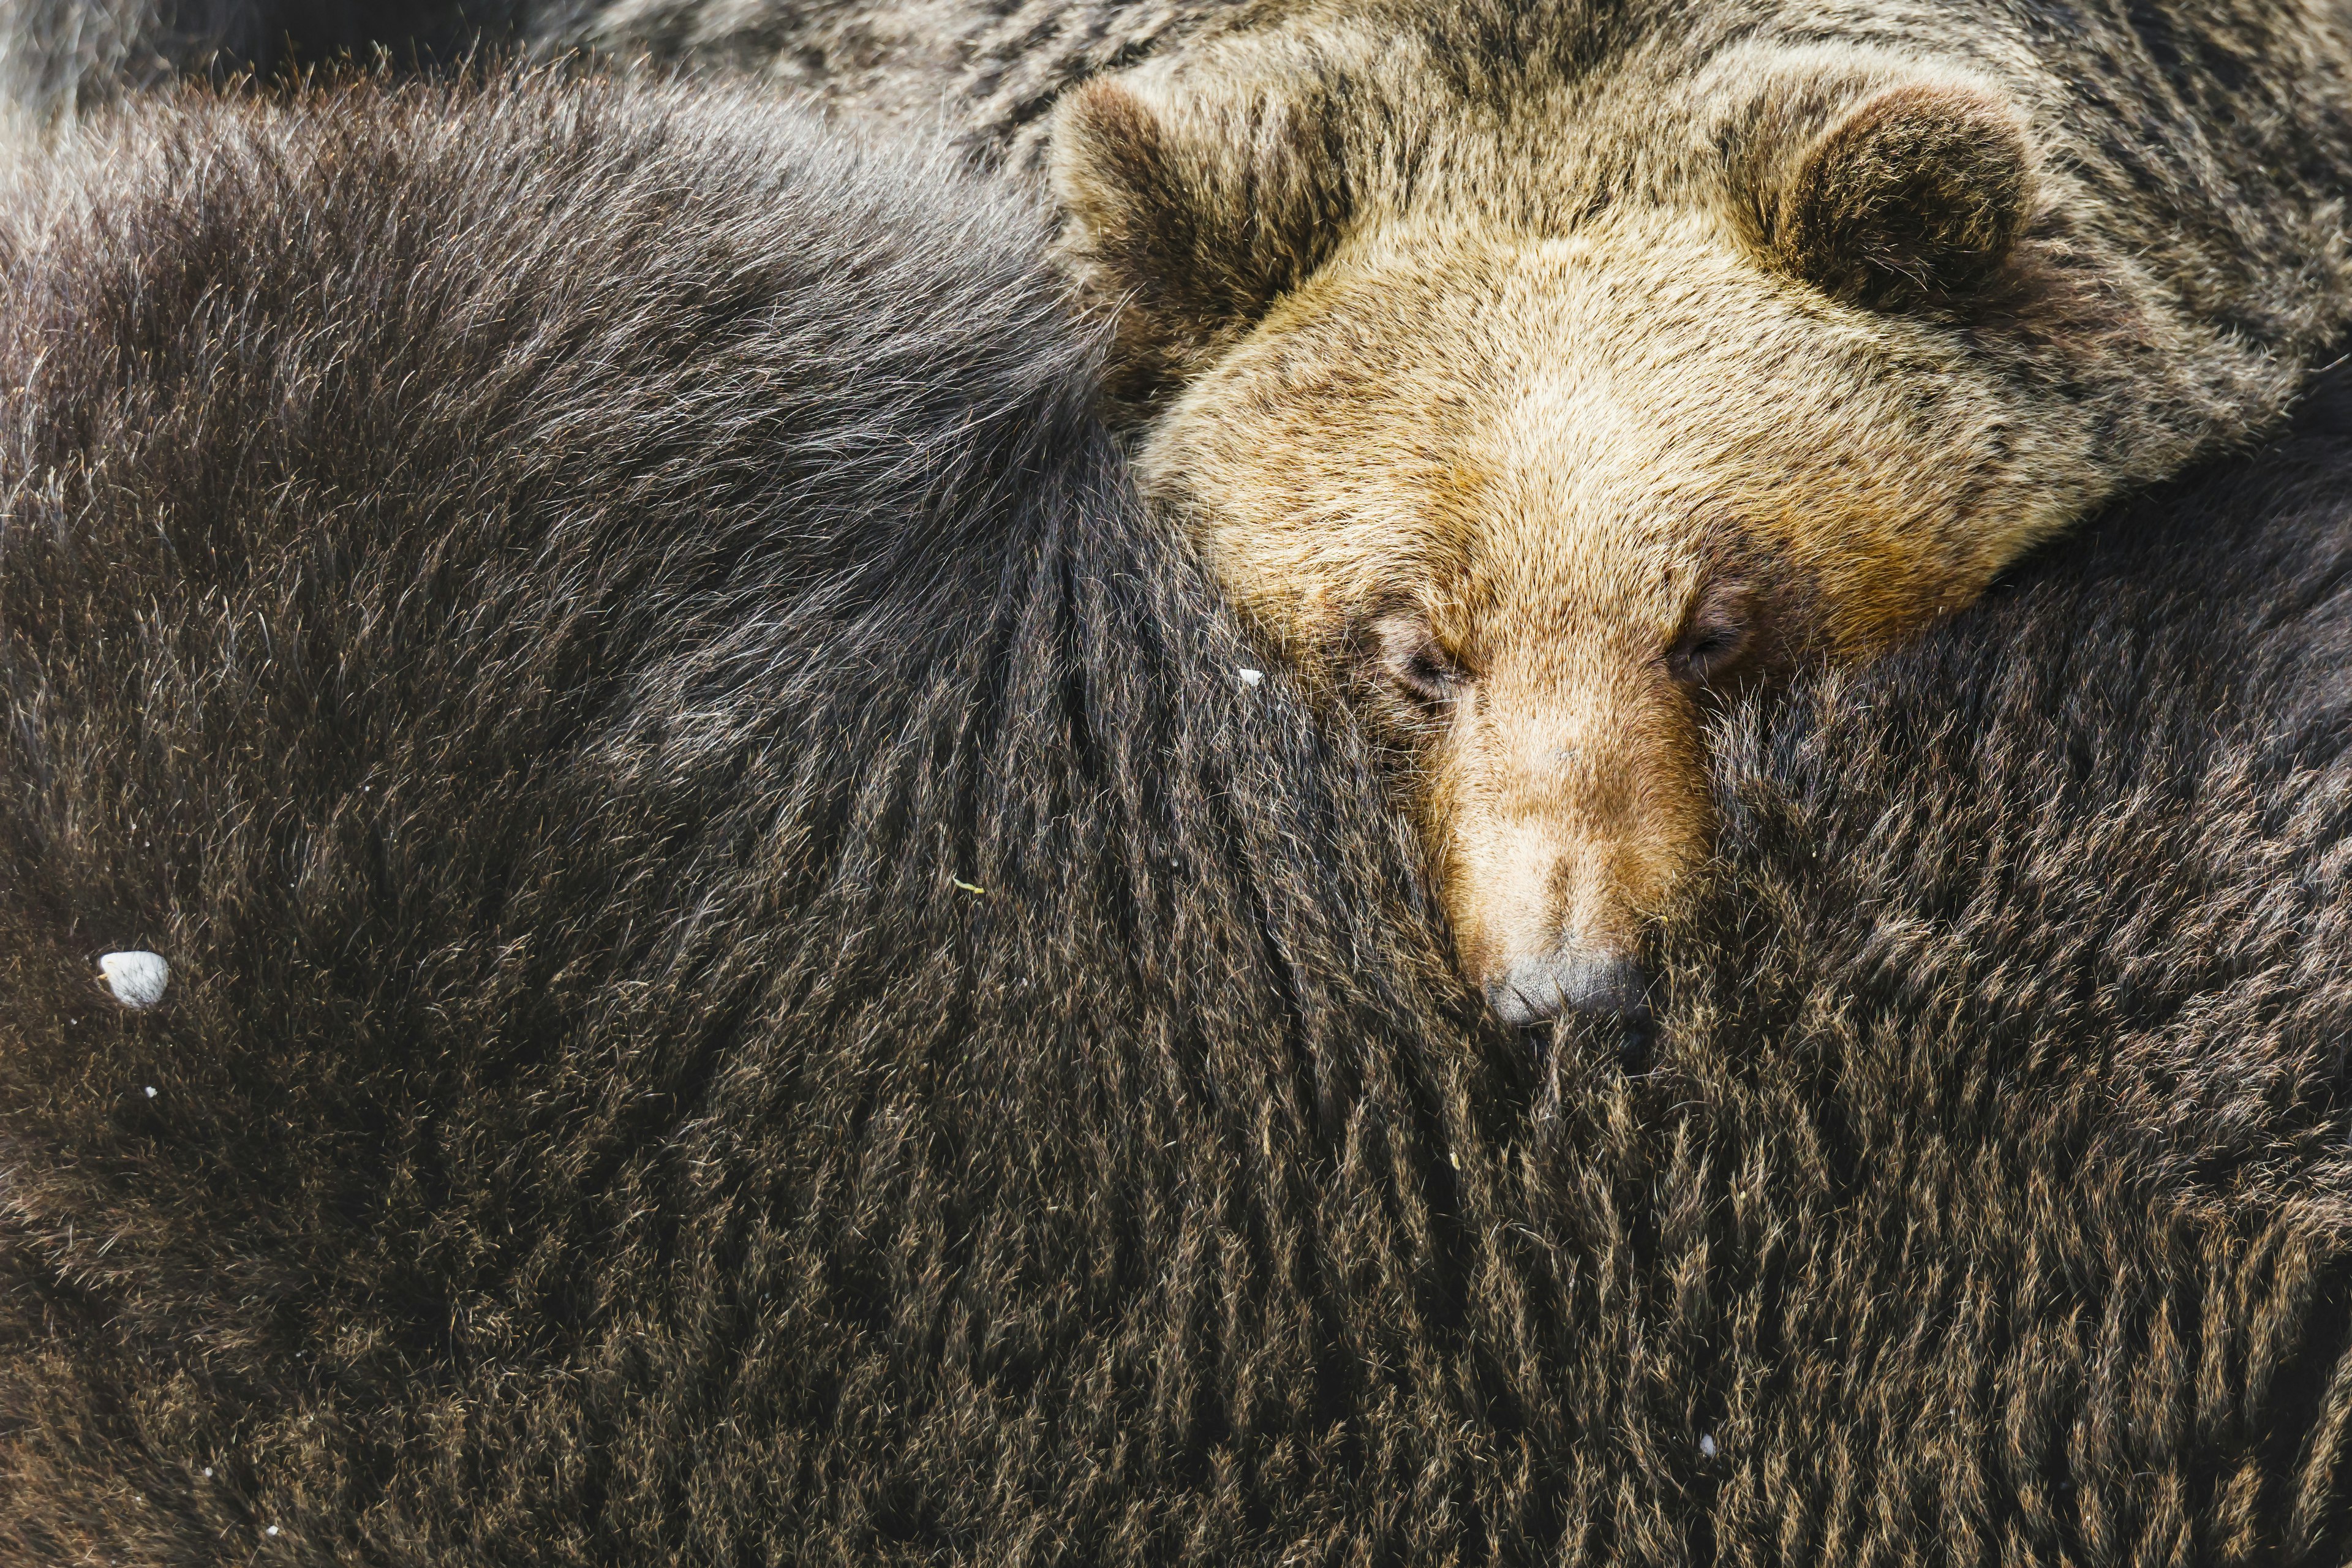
(1486, 386)
(1548, 449)
(1564, 802)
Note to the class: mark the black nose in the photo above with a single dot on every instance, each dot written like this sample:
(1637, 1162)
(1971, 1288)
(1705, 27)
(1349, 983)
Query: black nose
(1548, 984)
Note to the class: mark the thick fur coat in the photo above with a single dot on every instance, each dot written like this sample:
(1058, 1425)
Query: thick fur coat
(1535, 374)
(1538, 374)
(63, 59)
(984, 70)
(752, 981)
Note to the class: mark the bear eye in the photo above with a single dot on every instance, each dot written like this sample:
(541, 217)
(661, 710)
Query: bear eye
(1411, 658)
(1716, 640)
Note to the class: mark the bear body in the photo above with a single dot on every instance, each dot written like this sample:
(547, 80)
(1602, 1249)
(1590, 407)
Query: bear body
(1534, 374)
(1538, 372)
(646, 663)
(752, 979)
(64, 59)
(983, 72)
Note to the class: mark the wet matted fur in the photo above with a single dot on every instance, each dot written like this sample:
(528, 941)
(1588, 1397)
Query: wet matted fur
(988, 69)
(753, 985)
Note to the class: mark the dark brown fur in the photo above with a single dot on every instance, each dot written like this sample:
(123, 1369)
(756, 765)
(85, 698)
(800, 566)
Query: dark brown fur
(62, 59)
(542, 682)
(988, 71)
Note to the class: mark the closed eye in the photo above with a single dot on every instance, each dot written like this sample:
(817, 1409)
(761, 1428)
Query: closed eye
(1715, 641)
(1711, 646)
(1411, 659)
(1427, 674)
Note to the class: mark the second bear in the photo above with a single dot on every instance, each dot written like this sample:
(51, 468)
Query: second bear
(1534, 372)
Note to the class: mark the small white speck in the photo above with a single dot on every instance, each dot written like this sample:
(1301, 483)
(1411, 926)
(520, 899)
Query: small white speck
(208, 1472)
(271, 1530)
(136, 978)
(1252, 676)
(150, 1091)
(1706, 1447)
(1453, 1159)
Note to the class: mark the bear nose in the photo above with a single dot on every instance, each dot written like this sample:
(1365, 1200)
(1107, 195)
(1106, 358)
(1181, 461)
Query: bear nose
(1544, 985)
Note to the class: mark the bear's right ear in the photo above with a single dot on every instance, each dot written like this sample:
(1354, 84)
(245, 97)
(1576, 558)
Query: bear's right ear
(1192, 215)
(1915, 194)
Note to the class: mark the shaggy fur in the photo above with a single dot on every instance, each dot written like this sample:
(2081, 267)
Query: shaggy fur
(61, 59)
(751, 986)
(1801, 329)
(1541, 370)
(988, 72)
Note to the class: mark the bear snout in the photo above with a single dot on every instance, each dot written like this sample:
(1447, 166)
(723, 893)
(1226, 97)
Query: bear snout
(1542, 986)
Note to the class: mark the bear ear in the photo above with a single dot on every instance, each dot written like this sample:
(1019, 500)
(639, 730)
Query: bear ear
(1913, 195)
(1192, 215)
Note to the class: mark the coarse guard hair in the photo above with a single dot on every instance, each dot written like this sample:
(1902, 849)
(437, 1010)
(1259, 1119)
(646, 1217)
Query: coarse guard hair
(757, 975)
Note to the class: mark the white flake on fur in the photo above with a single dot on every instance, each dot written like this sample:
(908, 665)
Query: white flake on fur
(136, 978)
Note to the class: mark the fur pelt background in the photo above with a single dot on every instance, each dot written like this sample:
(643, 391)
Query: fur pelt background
(62, 59)
(751, 982)
(986, 70)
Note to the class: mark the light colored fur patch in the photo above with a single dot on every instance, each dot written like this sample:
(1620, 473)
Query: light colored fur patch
(1534, 374)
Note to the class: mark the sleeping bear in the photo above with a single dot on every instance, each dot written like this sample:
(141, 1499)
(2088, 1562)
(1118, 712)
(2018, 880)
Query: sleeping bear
(753, 968)
(1535, 373)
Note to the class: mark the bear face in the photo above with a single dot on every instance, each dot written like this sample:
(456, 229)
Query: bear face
(1534, 538)
(1532, 434)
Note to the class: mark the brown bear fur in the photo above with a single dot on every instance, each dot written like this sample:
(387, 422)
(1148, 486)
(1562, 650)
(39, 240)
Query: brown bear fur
(987, 70)
(1535, 373)
(62, 59)
(535, 604)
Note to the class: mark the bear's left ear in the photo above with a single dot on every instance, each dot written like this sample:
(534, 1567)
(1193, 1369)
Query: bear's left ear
(1191, 209)
(1913, 195)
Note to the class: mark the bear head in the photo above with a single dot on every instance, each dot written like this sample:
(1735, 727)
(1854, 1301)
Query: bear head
(1533, 420)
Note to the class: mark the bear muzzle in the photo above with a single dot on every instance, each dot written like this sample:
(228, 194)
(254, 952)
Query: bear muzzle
(1567, 805)
(1543, 987)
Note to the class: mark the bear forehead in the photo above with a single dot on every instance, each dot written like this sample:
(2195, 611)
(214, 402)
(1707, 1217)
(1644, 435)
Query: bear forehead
(1657, 312)
(1567, 415)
